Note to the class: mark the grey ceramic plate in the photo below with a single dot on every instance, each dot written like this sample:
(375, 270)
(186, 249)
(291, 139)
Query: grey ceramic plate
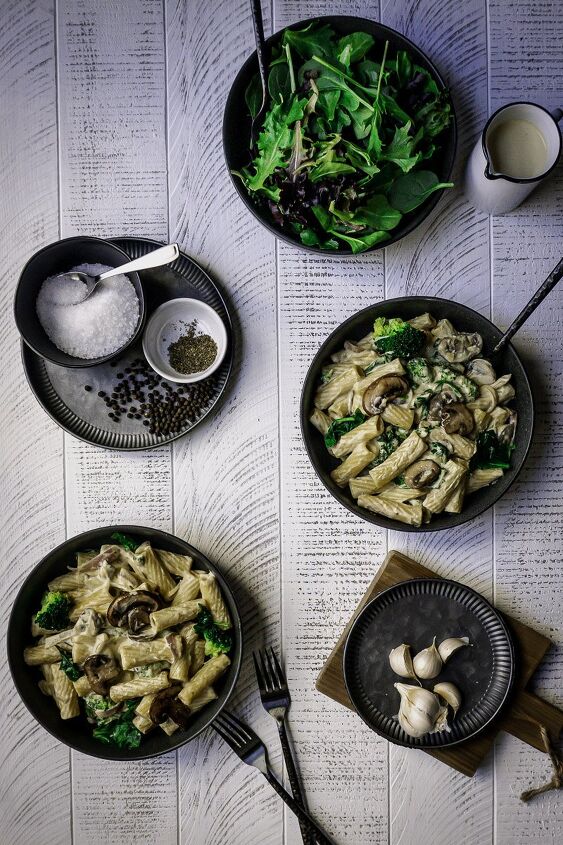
(414, 612)
(61, 390)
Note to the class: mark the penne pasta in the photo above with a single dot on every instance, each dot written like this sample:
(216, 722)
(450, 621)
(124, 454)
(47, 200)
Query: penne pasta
(138, 687)
(436, 499)
(410, 514)
(168, 617)
(482, 478)
(320, 420)
(205, 677)
(356, 461)
(64, 694)
(408, 452)
(212, 597)
(340, 384)
(369, 429)
(399, 416)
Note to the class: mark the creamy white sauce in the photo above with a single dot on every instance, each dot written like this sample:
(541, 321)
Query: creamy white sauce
(517, 148)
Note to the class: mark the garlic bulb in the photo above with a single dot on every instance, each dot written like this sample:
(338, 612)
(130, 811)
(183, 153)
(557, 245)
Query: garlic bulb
(450, 646)
(418, 711)
(450, 693)
(400, 660)
(428, 663)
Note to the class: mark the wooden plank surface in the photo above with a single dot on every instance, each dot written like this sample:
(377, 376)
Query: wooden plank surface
(133, 93)
(34, 768)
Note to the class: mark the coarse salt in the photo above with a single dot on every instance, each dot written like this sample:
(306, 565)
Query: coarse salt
(95, 327)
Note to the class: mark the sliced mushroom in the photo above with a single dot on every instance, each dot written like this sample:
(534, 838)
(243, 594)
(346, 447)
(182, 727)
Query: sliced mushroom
(447, 396)
(382, 391)
(460, 347)
(132, 610)
(101, 670)
(481, 371)
(107, 556)
(507, 431)
(457, 419)
(166, 705)
(421, 474)
(89, 622)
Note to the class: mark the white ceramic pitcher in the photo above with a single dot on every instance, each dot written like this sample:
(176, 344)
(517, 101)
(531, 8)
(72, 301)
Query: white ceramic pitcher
(495, 192)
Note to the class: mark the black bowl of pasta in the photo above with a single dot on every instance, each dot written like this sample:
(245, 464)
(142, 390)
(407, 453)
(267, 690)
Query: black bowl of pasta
(124, 642)
(414, 381)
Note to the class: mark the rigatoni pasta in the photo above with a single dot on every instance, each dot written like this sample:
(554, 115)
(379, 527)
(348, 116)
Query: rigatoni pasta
(423, 421)
(124, 633)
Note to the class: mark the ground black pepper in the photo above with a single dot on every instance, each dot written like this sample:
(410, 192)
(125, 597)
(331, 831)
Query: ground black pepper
(192, 353)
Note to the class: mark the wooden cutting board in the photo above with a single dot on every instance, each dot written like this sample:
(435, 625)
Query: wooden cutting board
(522, 716)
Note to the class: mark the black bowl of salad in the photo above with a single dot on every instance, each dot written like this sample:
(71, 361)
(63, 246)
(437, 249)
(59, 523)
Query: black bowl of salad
(100, 725)
(358, 140)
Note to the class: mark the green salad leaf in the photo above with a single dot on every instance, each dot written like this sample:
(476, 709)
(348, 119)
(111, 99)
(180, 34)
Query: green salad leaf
(342, 426)
(120, 731)
(350, 135)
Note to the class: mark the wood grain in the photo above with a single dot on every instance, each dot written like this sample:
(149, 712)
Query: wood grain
(226, 482)
(113, 182)
(529, 520)
(34, 767)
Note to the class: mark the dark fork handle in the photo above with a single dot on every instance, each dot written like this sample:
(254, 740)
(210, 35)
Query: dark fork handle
(301, 814)
(293, 778)
(553, 278)
(256, 8)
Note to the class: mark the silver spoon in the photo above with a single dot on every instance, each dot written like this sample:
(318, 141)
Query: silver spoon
(156, 258)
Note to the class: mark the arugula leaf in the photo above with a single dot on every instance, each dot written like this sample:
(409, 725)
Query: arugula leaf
(273, 141)
(412, 189)
(400, 149)
(342, 426)
(125, 541)
(71, 670)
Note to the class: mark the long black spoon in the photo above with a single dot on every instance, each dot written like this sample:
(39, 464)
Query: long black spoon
(555, 276)
(256, 9)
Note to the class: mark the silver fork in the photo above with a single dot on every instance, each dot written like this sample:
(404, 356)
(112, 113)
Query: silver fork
(252, 751)
(274, 693)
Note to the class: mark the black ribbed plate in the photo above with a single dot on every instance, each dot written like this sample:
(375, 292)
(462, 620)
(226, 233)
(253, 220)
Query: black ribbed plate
(414, 612)
(61, 390)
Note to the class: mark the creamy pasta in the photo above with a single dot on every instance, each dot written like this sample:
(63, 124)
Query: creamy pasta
(133, 639)
(415, 417)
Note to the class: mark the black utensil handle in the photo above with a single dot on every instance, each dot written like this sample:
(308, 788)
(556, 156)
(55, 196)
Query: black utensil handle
(293, 778)
(555, 275)
(301, 814)
(260, 42)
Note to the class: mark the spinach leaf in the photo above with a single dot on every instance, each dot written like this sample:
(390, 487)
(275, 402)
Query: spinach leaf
(279, 82)
(313, 39)
(378, 214)
(342, 426)
(355, 46)
(491, 452)
(71, 670)
(412, 189)
(404, 67)
(120, 731)
(125, 541)
(361, 242)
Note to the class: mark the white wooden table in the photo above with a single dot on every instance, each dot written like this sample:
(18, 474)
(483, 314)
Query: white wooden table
(111, 125)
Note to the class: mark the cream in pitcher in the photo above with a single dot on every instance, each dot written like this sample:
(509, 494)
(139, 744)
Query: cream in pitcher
(519, 146)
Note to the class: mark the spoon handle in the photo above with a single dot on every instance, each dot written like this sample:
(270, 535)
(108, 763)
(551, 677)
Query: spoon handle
(555, 275)
(162, 255)
(256, 9)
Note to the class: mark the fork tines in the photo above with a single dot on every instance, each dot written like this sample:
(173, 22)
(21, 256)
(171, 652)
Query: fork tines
(269, 674)
(233, 731)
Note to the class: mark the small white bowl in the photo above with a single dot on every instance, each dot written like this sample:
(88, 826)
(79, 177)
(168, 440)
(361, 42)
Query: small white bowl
(168, 323)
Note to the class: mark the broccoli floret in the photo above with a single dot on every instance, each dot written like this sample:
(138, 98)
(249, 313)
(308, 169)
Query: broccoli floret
(398, 337)
(445, 375)
(217, 639)
(53, 614)
(418, 370)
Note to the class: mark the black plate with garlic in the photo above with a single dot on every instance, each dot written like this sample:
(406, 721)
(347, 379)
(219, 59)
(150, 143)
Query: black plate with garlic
(429, 663)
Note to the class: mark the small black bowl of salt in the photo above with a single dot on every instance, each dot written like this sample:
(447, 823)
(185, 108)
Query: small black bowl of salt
(58, 324)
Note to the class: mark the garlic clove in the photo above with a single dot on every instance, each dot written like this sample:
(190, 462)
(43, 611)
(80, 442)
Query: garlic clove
(441, 721)
(450, 646)
(450, 693)
(428, 663)
(418, 711)
(400, 660)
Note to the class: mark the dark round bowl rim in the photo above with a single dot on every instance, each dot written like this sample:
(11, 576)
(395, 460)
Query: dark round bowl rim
(385, 522)
(432, 200)
(82, 363)
(509, 688)
(226, 692)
